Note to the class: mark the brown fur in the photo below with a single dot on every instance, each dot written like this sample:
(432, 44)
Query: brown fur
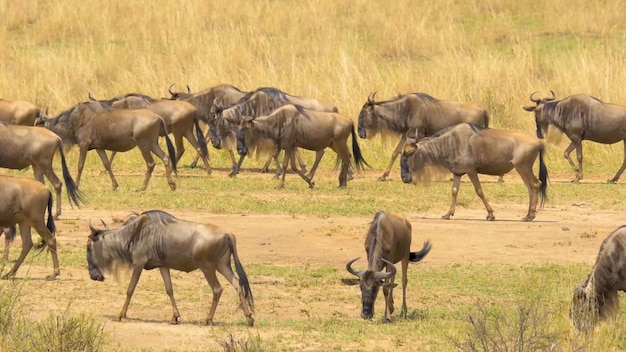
(18, 112)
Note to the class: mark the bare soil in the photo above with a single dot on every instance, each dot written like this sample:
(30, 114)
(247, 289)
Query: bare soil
(568, 234)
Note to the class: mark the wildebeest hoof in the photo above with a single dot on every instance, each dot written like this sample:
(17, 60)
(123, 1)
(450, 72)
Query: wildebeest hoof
(174, 321)
(250, 321)
(612, 181)
(53, 276)
(446, 217)
(172, 186)
(208, 322)
(382, 178)
(311, 184)
(528, 218)
(490, 217)
(8, 276)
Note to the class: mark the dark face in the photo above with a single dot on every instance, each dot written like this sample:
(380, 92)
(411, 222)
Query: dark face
(241, 139)
(369, 286)
(541, 118)
(94, 272)
(215, 138)
(367, 119)
(406, 162)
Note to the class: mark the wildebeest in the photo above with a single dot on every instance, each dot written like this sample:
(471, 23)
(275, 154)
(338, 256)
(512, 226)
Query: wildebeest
(471, 149)
(596, 298)
(9, 236)
(156, 239)
(18, 112)
(292, 127)
(24, 146)
(582, 117)
(97, 126)
(179, 116)
(23, 202)
(387, 242)
(415, 112)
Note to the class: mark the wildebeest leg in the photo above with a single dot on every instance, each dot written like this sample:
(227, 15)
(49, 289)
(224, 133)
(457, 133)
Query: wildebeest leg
(167, 280)
(388, 293)
(292, 159)
(233, 280)
(579, 155)
(113, 153)
(27, 244)
(7, 242)
(479, 192)
(621, 169)
(394, 156)
(237, 166)
(344, 154)
(273, 157)
(134, 279)
(51, 243)
(107, 165)
(211, 278)
(58, 187)
(534, 186)
(455, 191)
(156, 150)
(405, 267)
(318, 156)
(301, 162)
(285, 164)
(82, 155)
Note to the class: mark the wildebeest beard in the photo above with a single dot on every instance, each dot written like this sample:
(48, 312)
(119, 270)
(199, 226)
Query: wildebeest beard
(241, 142)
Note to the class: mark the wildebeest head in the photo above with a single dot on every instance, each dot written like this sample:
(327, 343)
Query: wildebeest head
(95, 257)
(246, 122)
(542, 112)
(370, 283)
(215, 113)
(583, 312)
(367, 118)
(409, 161)
(178, 95)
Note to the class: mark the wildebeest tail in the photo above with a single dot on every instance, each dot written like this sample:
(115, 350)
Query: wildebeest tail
(244, 284)
(73, 194)
(417, 256)
(170, 147)
(356, 152)
(543, 176)
(486, 119)
(10, 233)
(204, 151)
(49, 224)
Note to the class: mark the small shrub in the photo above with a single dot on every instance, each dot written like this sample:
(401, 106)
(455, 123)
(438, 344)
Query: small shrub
(233, 343)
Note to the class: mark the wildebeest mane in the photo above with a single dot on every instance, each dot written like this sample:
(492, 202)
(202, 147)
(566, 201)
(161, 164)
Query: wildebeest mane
(426, 98)
(302, 111)
(372, 233)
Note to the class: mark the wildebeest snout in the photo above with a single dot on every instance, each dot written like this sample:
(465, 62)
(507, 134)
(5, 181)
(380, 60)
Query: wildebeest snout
(404, 170)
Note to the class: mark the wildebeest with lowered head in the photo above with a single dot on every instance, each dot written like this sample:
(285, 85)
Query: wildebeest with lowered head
(93, 125)
(596, 298)
(582, 117)
(292, 127)
(179, 116)
(24, 146)
(415, 111)
(472, 150)
(156, 239)
(387, 242)
(23, 202)
(18, 112)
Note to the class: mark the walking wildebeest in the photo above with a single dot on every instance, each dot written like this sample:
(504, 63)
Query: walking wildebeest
(179, 116)
(24, 146)
(582, 117)
(596, 298)
(415, 112)
(156, 239)
(471, 149)
(18, 112)
(92, 125)
(292, 127)
(24, 202)
(9, 236)
(387, 242)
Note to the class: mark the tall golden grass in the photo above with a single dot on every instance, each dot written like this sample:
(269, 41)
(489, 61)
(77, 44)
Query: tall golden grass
(492, 52)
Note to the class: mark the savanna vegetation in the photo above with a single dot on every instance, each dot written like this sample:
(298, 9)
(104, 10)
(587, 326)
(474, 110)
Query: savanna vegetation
(492, 52)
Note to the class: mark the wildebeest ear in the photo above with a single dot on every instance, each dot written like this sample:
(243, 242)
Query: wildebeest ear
(390, 285)
(529, 108)
(351, 282)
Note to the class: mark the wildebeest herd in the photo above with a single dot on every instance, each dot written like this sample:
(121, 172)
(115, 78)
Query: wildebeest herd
(450, 135)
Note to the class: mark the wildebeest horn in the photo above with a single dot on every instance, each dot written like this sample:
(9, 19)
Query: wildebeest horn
(391, 273)
(553, 96)
(351, 271)
(106, 227)
(532, 99)
(410, 140)
(91, 97)
(188, 89)
(370, 99)
(169, 89)
(91, 228)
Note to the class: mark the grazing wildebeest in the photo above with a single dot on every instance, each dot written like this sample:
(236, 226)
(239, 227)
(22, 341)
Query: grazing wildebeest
(292, 127)
(471, 149)
(18, 112)
(415, 112)
(387, 242)
(156, 239)
(179, 116)
(596, 298)
(9, 236)
(582, 117)
(97, 126)
(23, 202)
(24, 146)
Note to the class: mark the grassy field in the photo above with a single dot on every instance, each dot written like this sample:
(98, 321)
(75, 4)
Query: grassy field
(492, 52)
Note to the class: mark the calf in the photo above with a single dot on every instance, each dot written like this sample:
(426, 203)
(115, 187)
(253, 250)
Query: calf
(387, 242)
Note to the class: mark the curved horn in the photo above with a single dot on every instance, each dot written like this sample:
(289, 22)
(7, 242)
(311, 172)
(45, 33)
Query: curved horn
(351, 271)
(91, 97)
(532, 99)
(91, 228)
(553, 96)
(370, 99)
(188, 89)
(392, 271)
(169, 89)
(106, 227)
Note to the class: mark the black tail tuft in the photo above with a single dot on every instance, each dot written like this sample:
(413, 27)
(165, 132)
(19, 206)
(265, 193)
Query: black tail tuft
(417, 256)
(75, 196)
(543, 177)
(356, 152)
(204, 150)
(243, 278)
